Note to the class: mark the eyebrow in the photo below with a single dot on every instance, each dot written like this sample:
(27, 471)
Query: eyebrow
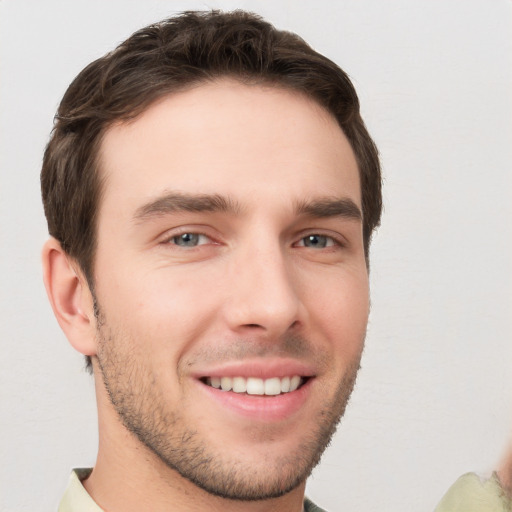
(330, 207)
(179, 202)
(174, 202)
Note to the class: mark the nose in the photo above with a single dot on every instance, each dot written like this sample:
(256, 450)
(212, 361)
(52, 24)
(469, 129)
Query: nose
(264, 293)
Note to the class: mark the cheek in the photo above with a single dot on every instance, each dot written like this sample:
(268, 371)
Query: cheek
(164, 308)
(340, 311)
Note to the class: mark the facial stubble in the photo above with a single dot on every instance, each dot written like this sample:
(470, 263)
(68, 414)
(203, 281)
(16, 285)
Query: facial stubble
(145, 412)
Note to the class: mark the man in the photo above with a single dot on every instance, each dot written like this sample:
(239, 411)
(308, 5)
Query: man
(211, 192)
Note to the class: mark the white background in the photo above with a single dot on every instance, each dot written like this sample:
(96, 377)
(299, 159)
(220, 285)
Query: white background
(434, 397)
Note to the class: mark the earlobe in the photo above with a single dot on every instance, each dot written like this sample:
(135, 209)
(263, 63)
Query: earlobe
(70, 297)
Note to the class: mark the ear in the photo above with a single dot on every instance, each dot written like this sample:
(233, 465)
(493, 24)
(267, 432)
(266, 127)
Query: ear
(70, 297)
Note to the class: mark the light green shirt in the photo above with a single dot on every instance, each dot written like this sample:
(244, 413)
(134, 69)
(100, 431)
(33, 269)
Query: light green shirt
(470, 493)
(77, 499)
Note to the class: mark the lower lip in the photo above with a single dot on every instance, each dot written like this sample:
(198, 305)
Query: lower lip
(258, 407)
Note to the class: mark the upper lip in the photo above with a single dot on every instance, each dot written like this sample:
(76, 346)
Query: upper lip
(259, 368)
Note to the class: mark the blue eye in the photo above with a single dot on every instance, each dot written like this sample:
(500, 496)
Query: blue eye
(189, 239)
(317, 241)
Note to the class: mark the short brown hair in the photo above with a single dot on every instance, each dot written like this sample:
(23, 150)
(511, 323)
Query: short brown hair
(166, 57)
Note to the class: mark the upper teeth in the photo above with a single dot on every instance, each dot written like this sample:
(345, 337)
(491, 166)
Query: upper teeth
(255, 386)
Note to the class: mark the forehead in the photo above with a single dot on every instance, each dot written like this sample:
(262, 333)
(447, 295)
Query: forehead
(249, 141)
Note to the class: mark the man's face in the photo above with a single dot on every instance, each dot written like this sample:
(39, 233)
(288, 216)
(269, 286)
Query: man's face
(230, 253)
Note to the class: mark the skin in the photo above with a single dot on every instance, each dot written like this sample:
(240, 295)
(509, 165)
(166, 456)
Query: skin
(505, 472)
(274, 283)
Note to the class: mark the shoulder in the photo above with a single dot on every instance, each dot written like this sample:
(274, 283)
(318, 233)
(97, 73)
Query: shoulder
(470, 493)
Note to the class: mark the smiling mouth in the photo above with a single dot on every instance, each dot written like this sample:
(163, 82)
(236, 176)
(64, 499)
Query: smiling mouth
(256, 386)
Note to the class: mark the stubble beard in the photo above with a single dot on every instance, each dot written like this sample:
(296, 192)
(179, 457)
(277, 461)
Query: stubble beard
(144, 412)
